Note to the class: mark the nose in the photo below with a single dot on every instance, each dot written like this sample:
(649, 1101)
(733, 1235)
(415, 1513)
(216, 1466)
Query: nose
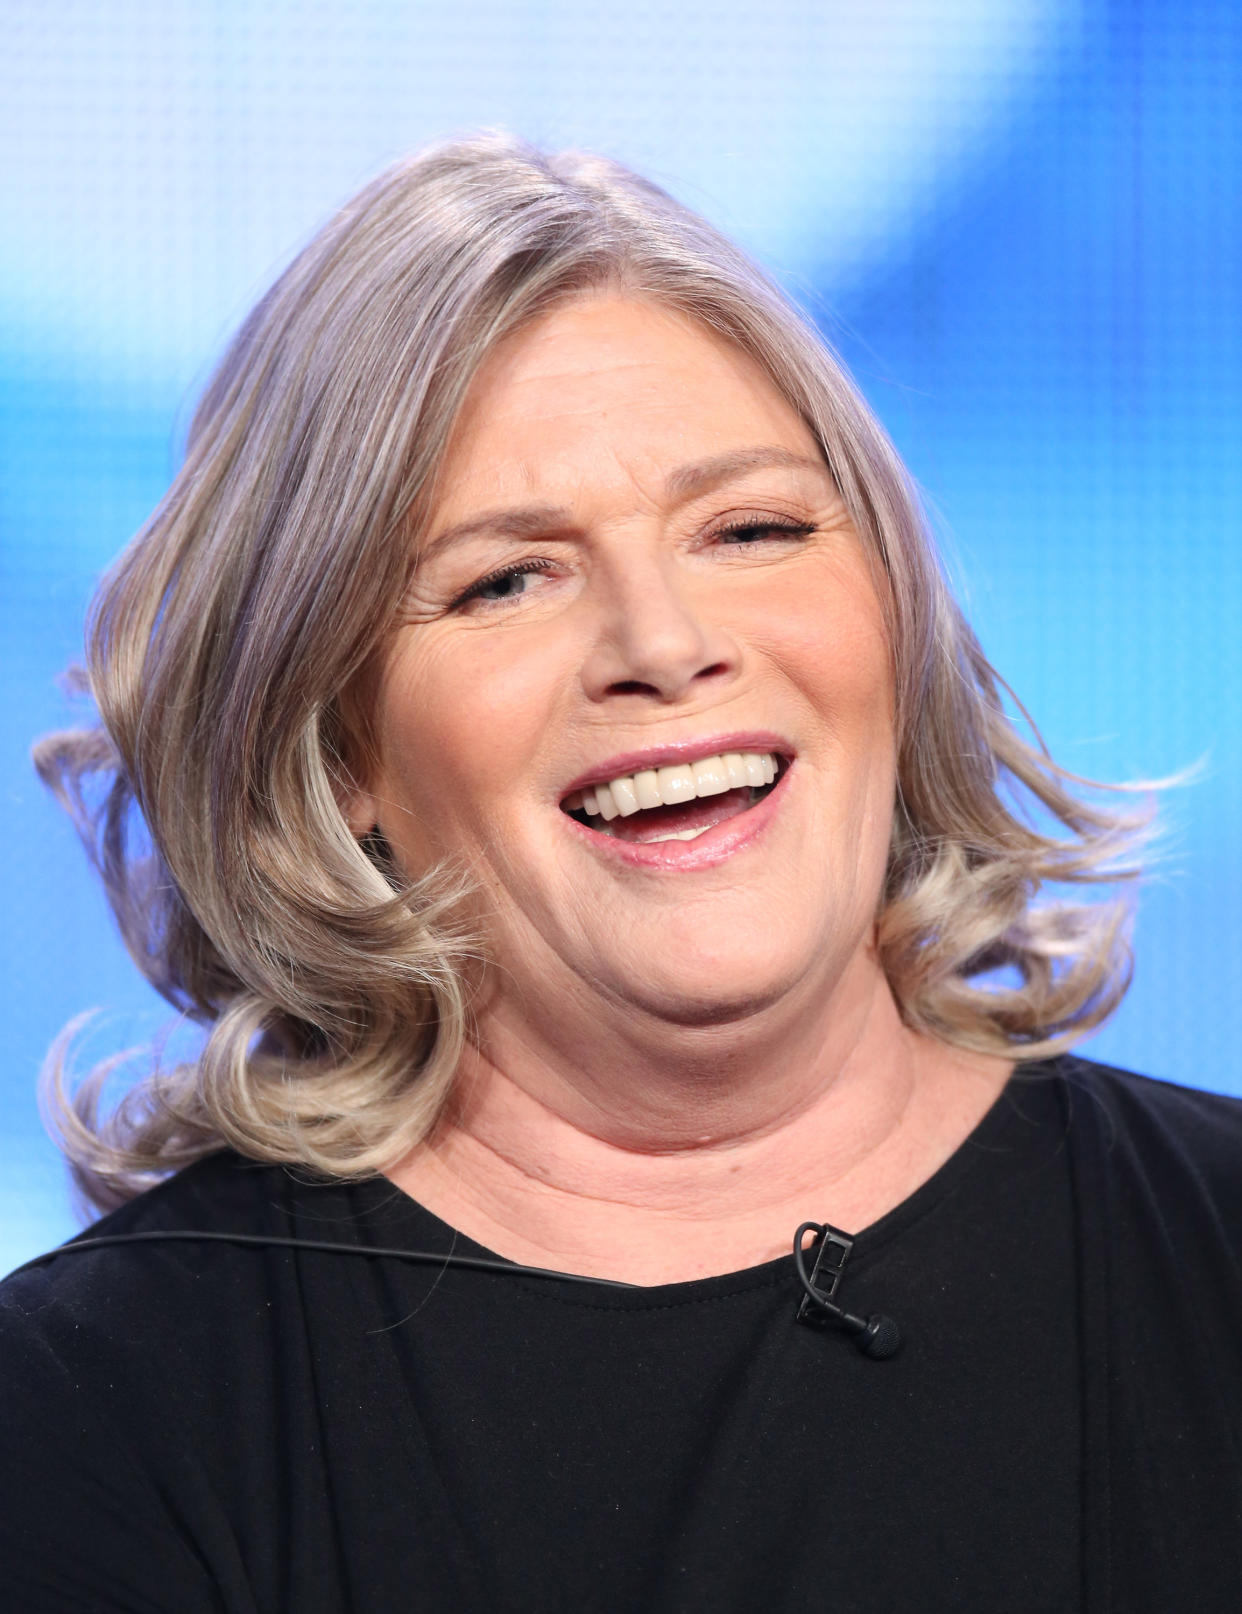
(653, 636)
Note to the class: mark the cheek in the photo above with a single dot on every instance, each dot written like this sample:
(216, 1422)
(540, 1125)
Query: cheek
(461, 721)
(833, 644)
(828, 635)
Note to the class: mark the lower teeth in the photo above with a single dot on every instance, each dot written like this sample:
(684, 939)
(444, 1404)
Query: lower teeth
(604, 827)
(672, 835)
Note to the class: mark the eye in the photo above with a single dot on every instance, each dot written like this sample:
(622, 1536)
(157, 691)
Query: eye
(503, 585)
(750, 531)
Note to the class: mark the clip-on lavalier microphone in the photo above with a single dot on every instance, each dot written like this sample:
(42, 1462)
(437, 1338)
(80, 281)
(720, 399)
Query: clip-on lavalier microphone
(877, 1336)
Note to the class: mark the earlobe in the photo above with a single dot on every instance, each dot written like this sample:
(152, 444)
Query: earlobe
(359, 805)
(361, 813)
(356, 763)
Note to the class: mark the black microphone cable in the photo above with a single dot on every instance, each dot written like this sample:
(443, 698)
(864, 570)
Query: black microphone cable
(876, 1336)
(187, 1235)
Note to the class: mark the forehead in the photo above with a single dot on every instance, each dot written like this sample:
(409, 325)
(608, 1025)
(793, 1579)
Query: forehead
(609, 387)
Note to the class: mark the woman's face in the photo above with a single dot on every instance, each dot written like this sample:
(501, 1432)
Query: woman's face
(638, 561)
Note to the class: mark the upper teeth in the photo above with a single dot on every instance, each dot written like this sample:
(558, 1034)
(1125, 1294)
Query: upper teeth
(666, 787)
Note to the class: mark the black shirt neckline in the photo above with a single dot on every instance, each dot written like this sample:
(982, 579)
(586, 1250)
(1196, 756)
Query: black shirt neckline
(392, 1207)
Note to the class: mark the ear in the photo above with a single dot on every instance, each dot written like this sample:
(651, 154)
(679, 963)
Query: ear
(355, 760)
(353, 785)
(361, 811)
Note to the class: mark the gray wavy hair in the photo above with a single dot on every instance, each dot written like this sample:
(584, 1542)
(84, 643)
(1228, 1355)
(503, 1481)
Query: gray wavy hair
(227, 646)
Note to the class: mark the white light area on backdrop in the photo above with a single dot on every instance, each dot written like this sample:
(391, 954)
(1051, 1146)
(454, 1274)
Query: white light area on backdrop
(166, 156)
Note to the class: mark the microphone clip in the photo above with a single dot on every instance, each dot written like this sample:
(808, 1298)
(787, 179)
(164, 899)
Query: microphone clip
(876, 1336)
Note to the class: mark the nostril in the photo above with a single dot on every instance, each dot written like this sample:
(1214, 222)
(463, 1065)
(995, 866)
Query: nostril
(635, 686)
(668, 686)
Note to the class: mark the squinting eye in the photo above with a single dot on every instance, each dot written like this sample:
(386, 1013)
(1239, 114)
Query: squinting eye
(504, 587)
(746, 532)
(504, 582)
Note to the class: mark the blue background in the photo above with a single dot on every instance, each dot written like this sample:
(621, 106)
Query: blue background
(1019, 220)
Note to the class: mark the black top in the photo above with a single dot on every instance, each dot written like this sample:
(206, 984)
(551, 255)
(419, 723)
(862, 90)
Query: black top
(210, 1427)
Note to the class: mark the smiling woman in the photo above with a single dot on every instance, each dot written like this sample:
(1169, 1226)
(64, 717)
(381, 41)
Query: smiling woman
(681, 603)
(537, 745)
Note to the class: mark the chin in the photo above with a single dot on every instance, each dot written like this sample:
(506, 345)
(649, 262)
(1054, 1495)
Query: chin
(706, 997)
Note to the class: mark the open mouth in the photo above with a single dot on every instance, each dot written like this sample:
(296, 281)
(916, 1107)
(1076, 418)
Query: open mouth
(677, 803)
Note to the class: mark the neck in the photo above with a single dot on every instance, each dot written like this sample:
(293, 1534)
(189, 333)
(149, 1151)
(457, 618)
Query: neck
(613, 1146)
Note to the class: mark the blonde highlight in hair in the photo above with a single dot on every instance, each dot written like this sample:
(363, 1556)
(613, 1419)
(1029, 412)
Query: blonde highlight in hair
(226, 648)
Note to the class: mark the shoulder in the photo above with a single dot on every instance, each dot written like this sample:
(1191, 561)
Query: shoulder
(124, 1361)
(117, 1434)
(1153, 1109)
(79, 1290)
(1161, 1136)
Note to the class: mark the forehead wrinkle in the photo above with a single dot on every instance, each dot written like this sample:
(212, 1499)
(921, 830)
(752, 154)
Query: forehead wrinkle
(520, 521)
(681, 484)
(687, 480)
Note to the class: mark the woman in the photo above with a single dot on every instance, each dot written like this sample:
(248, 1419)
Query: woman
(591, 839)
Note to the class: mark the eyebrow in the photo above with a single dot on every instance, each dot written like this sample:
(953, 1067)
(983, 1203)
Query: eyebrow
(687, 481)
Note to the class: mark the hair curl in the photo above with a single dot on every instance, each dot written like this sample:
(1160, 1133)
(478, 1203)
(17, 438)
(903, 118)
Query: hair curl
(223, 647)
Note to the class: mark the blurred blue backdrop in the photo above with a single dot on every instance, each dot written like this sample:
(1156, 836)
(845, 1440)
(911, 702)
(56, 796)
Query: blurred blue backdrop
(1019, 219)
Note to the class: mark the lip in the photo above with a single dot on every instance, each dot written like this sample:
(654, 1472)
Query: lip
(665, 756)
(713, 846)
